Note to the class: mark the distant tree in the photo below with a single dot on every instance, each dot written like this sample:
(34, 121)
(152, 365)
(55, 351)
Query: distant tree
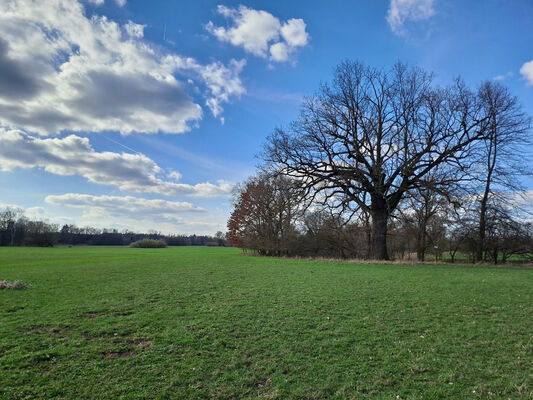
(501, 163)
(325, 234)
(422, 211)
(505, 234)
(371, 136)
(8, 223)
(220, 238)
(265, 210)
(40, 233)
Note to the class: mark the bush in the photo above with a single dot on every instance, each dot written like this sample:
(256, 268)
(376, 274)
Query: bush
(149, 244)
(16, 285)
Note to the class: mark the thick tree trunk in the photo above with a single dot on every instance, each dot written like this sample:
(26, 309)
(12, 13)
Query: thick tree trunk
(380, 217)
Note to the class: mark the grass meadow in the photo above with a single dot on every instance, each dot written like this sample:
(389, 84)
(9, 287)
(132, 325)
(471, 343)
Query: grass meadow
(197, 322)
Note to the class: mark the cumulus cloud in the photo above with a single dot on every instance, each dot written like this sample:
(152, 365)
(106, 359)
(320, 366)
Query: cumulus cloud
(73, 155)
(527, 72)
(402, 11)
(293, 31)
(134, 30)
(61, 70)
(260, 33)
(174, 175)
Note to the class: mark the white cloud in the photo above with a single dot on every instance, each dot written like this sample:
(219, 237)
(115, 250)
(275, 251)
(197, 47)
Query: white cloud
(252, 30)
(223, 82)
(260, 33)
(61, 70)
(279, 52)
(293, 31)
(527, 72)
(124, 212)
(73, 155)
(401, 11)
(174, 175)
(127, 212)
(122, 205)
(134, 30)
(120, 3)
(503, 77)
(137, 214)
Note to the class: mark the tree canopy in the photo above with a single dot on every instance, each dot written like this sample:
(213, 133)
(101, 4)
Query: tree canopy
(371, 136)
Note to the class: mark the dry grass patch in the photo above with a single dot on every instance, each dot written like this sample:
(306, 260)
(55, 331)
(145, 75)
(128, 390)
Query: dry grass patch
(15, 285)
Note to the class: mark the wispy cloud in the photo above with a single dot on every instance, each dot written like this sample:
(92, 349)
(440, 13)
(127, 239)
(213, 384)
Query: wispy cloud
(402, 11)
(503, 77)
(123, 205)
(226, 168)
(134, 213)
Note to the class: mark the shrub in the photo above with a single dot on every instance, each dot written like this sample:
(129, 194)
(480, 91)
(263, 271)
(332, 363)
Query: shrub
(16, 285)
(149, 244)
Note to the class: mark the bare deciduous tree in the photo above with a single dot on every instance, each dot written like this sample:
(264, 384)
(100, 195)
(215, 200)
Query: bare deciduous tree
(266, 209)
(371, 136)
(501, 163)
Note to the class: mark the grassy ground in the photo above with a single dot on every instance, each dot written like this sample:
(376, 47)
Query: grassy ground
(179, 323)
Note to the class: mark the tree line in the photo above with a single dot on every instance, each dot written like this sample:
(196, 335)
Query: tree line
(18, 230)
(384, 163)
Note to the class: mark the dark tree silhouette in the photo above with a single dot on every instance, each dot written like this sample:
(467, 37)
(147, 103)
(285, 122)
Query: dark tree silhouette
(371, 136)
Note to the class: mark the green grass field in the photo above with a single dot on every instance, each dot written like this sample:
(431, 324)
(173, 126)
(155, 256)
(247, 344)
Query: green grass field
(184, 323)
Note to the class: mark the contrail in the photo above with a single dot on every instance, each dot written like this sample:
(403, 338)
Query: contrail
(120, 144)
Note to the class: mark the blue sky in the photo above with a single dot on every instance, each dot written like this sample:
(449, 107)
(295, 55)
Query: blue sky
(142, 115)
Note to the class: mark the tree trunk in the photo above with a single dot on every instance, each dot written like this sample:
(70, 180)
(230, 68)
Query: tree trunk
(380, 217)
(480, 248)
(12, 243)
(421, 243)
(491, 163)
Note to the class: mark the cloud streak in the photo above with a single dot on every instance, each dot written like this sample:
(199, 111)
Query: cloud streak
(133, 213)
(73, 155)
(123, 205)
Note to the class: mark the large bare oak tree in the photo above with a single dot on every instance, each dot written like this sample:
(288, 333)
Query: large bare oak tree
(372, 135)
